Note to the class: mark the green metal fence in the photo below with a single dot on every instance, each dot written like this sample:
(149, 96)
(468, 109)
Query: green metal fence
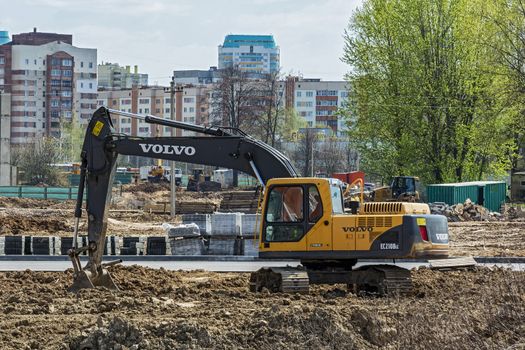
(58, 193)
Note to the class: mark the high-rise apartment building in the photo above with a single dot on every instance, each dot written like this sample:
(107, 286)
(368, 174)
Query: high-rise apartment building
(317, 101)
(191, 106)
(256, 54)
(50, 81)
(113, 76)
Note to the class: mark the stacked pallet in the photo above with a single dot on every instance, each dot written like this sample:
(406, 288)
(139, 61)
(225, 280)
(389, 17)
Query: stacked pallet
(186, 239)
(203, 222)
(225, 234)
(240, 201)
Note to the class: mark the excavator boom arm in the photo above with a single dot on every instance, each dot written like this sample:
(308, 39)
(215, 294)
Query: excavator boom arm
(222, 148)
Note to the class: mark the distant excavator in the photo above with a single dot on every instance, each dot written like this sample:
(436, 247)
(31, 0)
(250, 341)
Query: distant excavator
(303, 218)
(401, 189)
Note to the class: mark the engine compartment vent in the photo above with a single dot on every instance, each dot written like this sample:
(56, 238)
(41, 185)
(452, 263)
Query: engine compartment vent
(394, 208)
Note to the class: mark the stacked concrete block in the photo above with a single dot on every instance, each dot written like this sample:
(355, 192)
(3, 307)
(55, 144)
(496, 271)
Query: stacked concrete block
(203, 221)
(112, 246)
(250, 247)
(133, 245)
(250, 224)
(158, 246)
(14, 245)
(225, 233)
(186, 239)
(222, 245)
(226, 224)
(49, 245)
(187, 246)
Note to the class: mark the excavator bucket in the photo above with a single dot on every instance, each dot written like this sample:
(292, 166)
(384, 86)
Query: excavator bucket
(85, 280)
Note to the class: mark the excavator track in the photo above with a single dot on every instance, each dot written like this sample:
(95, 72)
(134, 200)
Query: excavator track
(280, 279)
(383, 280)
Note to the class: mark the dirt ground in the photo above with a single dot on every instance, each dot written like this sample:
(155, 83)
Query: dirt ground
(158, 309)
(498, 238)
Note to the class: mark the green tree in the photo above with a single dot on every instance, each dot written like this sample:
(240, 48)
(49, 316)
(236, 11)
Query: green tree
(35, 160)
(421, 102)
(70, 143)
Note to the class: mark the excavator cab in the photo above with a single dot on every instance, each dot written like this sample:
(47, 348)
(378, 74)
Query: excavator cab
(404, 185)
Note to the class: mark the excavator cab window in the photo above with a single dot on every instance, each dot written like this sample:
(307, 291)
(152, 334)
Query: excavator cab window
(285, 214)
(315, 207)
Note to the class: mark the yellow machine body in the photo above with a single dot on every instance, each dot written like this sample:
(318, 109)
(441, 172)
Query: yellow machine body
(378, 230)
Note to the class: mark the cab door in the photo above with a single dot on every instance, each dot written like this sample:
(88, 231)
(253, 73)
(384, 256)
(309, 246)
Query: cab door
(284, 222)
(318, 218)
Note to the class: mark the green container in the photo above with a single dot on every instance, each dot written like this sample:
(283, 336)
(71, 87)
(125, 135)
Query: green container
(490, 194)
(452, 193)
(495, 195)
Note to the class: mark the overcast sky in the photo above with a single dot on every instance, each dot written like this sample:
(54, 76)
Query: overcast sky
(163, 35)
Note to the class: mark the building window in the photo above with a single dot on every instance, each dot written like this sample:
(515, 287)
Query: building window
(309, 93)
(192, 109)
(144, 129)
(67, 73)
(67, 62)
(146, 110)
(140, 110)
(54, 103)
(185, 109)
(144, 101)
(2, 60)
(81, 85)
(188, 100)
(90, 64)
(55, 82)
(91, 85)
(157, 101)
(66, 93)
(81, 64)
(27, 61)
(157, 110)
(55, 72)
(299, 93)
(166, 110)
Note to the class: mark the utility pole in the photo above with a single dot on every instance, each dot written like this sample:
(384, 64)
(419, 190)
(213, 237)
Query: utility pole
(173, 185)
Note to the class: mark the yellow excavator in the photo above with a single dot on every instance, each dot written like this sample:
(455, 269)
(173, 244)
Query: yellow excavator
(303, 218)
(402, 189)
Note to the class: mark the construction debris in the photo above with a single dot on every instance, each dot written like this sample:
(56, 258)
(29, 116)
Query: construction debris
(467, 211)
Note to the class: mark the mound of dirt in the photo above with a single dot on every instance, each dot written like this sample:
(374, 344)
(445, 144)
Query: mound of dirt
(13, 223)
(8, 202)
(159, 309)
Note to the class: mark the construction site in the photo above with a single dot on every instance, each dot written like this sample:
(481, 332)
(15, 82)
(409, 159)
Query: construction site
(293, 262)
(479, 307)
